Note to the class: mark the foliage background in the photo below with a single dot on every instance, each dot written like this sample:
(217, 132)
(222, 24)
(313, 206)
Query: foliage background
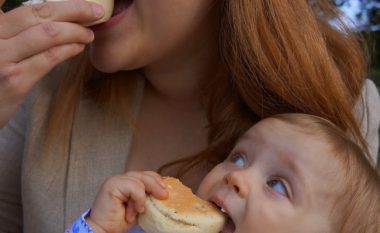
(368, 17)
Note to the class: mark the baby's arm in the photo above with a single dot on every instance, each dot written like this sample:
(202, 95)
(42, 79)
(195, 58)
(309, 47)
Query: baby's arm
(119, 201)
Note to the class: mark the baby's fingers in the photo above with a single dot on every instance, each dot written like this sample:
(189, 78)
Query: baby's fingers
(131, 214)
(153, 183)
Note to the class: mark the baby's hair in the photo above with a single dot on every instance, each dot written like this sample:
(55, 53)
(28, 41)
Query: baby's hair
(358, 208)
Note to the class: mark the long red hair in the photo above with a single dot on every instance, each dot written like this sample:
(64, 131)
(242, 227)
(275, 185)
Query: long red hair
(280, 56)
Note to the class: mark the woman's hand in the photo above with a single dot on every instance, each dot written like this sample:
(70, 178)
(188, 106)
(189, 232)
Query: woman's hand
(33, 39)
(121, 198)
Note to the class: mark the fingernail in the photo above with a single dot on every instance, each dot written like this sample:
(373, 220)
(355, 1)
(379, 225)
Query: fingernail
(98, 10)
(161, 182)
(90, 34)
(163, 193)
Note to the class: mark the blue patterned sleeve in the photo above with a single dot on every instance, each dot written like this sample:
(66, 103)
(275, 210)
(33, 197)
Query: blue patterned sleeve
(80, 225)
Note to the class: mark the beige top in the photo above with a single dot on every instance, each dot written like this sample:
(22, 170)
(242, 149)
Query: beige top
(46, 194)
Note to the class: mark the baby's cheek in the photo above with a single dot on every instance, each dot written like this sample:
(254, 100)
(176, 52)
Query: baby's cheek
(201, 192)
(211, 180)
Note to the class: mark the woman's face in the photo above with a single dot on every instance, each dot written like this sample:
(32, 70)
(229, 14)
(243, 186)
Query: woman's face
(154, 32)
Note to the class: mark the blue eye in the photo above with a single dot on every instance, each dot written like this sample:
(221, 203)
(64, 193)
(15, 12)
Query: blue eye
(278, 186)
(238, 160)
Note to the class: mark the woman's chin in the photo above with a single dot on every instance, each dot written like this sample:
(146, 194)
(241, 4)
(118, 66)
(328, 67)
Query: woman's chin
(102, 62)
(109, 59)
(103, 66)
(110, 66)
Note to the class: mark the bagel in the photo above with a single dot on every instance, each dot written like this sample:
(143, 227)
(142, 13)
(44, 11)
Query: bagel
(182, 212)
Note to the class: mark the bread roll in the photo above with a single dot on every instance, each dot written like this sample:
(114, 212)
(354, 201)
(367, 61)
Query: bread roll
(182, 212)
(106, 4)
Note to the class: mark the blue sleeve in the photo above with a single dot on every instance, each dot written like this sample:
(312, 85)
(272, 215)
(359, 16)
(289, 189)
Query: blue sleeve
(136, 229)
(80, 225)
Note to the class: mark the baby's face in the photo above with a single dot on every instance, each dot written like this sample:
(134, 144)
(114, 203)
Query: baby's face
(276, 179)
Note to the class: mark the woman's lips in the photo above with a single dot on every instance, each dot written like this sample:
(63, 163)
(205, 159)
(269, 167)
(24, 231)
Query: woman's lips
(120, 6)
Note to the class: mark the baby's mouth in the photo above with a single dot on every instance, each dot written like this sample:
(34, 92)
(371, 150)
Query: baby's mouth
(120, 6)
(229, 226)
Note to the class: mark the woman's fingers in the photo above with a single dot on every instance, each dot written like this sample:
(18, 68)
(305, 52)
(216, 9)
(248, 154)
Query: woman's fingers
(16, 79)
(42, 37)
(21, 18)
(43, 62)
(33, 39)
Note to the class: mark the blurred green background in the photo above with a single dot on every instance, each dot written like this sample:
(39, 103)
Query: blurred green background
(365, 18)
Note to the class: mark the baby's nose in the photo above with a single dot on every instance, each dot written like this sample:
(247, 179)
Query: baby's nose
(236, 181)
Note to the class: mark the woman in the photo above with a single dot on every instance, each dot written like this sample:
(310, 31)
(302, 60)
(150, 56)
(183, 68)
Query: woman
(166, 81)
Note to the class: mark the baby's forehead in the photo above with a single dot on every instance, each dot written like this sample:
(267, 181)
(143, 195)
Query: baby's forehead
(275, 126)
(298, 148)
(281, 128)
(288, 139)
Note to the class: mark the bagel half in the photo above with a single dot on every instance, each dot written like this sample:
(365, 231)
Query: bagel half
(182, 212)
(106, 4)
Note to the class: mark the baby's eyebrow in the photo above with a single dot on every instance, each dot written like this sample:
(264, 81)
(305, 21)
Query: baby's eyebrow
(287, 160)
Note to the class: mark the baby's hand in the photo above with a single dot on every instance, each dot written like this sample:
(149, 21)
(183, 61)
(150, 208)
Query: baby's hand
(121, 198)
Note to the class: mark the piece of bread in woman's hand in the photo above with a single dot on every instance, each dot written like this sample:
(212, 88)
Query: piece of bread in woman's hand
(106, 4)
(182, 212)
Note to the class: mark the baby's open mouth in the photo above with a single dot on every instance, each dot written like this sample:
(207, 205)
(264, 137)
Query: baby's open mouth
(229, 226)
(120, 6)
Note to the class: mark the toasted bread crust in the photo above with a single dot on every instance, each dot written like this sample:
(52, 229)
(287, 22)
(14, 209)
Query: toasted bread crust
(183, 196)
(182, 212)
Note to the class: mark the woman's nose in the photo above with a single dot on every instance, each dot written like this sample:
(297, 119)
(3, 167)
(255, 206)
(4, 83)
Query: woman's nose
(236, 181)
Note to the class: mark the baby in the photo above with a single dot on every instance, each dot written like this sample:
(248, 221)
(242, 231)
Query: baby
(287, 173)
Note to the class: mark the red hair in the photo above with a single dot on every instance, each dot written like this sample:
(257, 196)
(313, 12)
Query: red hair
(280, 56)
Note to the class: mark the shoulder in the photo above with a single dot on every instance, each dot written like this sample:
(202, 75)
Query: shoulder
(371, 102)
(367, 112)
